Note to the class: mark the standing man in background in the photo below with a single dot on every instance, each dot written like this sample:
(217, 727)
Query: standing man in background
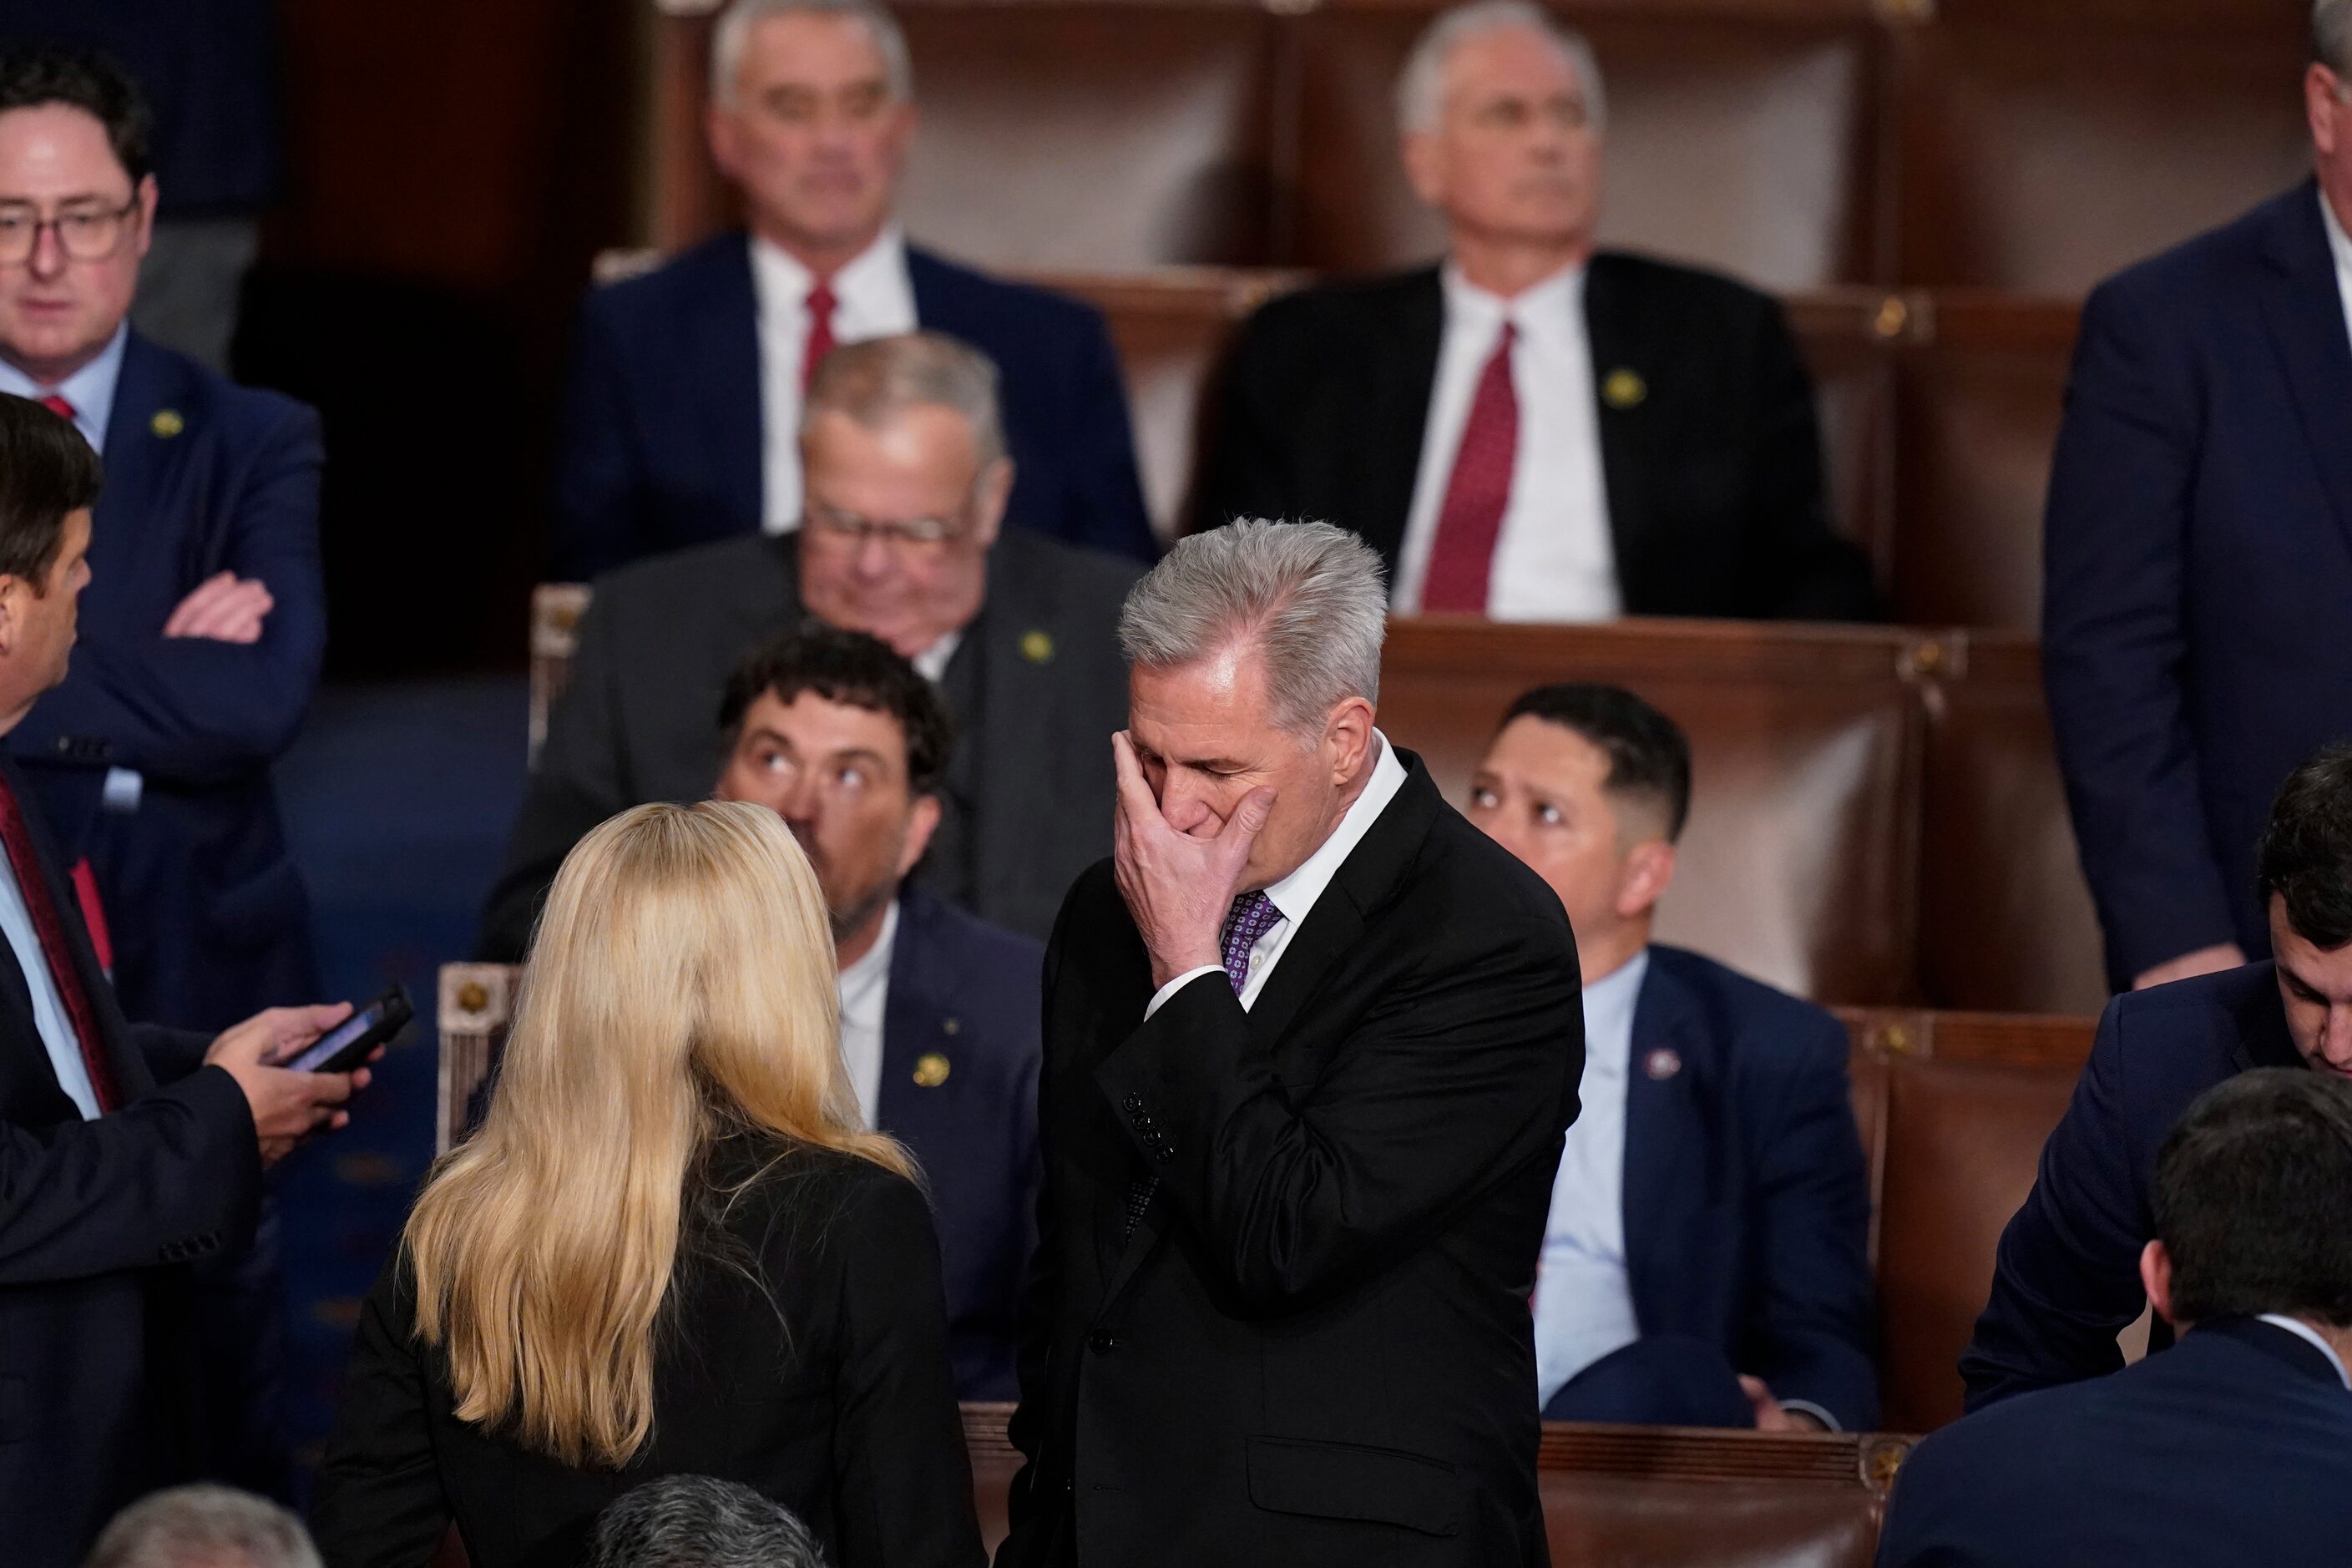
(2198, 554)
(681, 422)
(1311, 1040)
(1536, 431)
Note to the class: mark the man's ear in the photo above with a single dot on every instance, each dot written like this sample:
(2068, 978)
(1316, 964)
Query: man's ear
(2319, 104)
(2156, 1274)
(1649, 869)
(14, 593)
(922, 821)
(989, 494)
(1423, 168)
(1348, 736)
(719, 128)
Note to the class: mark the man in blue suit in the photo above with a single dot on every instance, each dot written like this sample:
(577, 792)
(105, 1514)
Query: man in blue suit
(1707, 1258)
(849, 743)
(2198, 553)
(205, 623)
(2235, 1445)
(2066, 1279)
(128, 1156)
(681, 422)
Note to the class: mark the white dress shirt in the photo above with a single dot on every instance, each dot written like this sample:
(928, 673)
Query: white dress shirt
(2339, 245)
(90, 389)
(1584, 1298)
(1296, 894)
(865, 999)
(2279, 1320)
(51, 1020)
(873, 298)
(1554, 559)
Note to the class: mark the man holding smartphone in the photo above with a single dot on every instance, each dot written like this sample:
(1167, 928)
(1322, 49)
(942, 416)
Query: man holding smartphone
(125, 1153)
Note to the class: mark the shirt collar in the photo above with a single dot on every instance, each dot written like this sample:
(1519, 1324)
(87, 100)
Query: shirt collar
(1296, 894)
(2296, 1326)
(1553, 304)
(782, 279)
(90, 389)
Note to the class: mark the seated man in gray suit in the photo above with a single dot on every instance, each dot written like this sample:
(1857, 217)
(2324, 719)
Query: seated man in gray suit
(906, 480)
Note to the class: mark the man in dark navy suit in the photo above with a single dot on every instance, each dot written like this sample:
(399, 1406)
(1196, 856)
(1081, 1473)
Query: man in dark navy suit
(849, 745)
(1707, 1261)
(2066, 1280)
(2199, 552)
(681, 420)
(127, 1154)
(203, 635)
(2235, 1445)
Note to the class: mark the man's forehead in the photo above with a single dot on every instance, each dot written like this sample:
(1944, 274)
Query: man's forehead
(807, 48)
(1548, 756)
(818, 723)
(48, 149)
(1517, 59)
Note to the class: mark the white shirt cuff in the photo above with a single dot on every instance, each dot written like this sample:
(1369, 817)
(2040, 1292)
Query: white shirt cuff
(1808, 1408)
(1174, 986)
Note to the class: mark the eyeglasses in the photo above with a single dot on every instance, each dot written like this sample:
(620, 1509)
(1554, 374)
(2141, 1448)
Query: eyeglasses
(85, 233)
(843, 530)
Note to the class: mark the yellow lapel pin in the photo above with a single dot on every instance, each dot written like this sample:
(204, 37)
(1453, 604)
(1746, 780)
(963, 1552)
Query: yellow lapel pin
(167, 423)
(1624, 388)
(1037, 647)
(931, 1069)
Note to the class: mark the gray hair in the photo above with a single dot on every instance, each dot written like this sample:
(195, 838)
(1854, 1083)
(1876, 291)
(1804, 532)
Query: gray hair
(726, 40)
(2331, 35)
(700, 1521)
(1311, 594)
(875, 381)
(1421, 86)
(204, 1527)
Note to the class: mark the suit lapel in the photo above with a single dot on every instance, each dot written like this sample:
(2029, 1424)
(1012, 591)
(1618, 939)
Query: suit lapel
(1609, 336)
(142, 465)
(128, 1069)
(727, 350)
(1670, 1148)
(915, 1025)
(1394, 414)
(2304, 311)
(1020, 703)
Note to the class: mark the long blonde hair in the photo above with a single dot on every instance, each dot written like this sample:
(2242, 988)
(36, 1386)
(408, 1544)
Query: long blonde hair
(680, 986)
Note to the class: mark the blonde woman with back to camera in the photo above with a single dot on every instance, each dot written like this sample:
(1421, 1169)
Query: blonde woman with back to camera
(671, 1247)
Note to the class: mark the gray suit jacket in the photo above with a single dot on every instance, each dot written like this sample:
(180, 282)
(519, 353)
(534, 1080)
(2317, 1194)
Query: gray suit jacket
(1037, 687)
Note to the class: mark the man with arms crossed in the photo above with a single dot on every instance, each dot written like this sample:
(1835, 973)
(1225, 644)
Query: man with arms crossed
(126, 1153)
(1311, 1043)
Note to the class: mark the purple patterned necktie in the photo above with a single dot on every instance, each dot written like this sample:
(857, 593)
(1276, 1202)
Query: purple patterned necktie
(1252, 916)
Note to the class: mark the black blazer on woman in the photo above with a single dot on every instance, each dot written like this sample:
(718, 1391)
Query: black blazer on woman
(803, 1352)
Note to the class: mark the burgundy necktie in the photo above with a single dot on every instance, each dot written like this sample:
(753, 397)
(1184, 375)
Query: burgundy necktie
(49, 927)
(1463, 558)
(821, 306)
(57, 406)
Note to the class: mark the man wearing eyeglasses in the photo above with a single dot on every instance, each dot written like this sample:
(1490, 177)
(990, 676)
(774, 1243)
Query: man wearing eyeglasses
(902, 537)
(200, 632)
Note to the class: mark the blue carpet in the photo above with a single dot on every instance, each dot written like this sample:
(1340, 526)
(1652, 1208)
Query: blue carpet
(397, 801)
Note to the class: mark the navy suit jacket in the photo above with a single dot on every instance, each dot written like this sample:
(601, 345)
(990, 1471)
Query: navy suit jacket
(100, 1397)
(1746, 1196)
(208, 916)
(660, 439)
(2198, 547)
(967, 992)
(2066, 1279)
(2235, 1446)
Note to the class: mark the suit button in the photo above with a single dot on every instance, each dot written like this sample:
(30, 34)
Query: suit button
(1131, 1104)
(1102, 1344)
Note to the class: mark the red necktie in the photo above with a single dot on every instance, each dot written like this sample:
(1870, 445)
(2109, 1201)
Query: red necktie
(50, 929)
(1463, 557)
(821, 304)
(57, 406)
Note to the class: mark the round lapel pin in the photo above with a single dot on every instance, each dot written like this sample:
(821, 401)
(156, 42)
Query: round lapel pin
(931, 1069)
(1037, 647)
(1661, 1064)
(167, 423)
(1624, 388)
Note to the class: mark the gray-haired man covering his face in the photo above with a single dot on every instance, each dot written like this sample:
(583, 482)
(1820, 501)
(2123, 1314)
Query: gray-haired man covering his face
(1311, 1043)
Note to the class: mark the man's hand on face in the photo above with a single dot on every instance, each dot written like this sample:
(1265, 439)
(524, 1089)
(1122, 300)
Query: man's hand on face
(223, 608)
(1178, 884)
(288, 1107)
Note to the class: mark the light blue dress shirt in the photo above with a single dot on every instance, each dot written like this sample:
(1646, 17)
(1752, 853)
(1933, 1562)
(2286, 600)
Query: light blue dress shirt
(1584, 1300)
(90, 389)
(49, 1015)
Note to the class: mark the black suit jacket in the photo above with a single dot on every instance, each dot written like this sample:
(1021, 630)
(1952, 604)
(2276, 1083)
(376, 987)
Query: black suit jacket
(2066, 1279)
(959, 1051)
(1316, 1347)
(2235, 1446)
(1037, 687)
(1714, 473)
(822, 1382)
(99, 1220)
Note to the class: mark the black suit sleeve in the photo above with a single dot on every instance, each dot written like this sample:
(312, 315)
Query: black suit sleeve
(580, 780)
(2066, 1278)
(1814, 573)
(902, 1488)
(598, 487)
(379, 1502)
(1033, 1360)
(1456, 1079)
(174, 1175)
